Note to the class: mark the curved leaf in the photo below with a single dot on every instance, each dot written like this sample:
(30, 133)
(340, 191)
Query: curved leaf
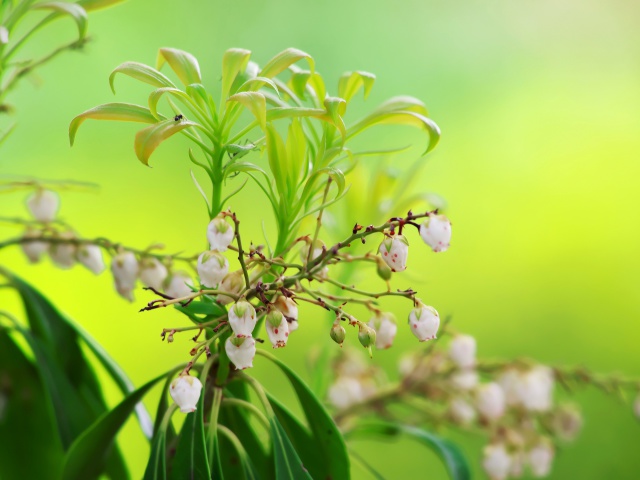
(184, 64)
(327, 441)
(255, 103)
(141, 72)
(283, 60)
(73, 10)
(156, 95)
(288, 463)
(285, 112)
(351, 82)
(234, 61)
(148, 139)
(336, 108)
(93, 5)
(87, 453)
(121, 112)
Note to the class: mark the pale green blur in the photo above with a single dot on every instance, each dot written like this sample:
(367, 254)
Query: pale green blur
(539, 163)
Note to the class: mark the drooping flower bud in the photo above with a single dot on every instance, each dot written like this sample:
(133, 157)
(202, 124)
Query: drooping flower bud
(394, 251)
(462, 411)
(464, 380)
(241, 351)
(436, 232)
(43, 205)
(532, 389)
(345, 392)
(242, 318)
(424, 322)
(124, 267)
(277, 328)
(219, 234)
(91, 257)
(288, 307)
(212, 268)
(540, 459)
(63, 254)
(383, 270)
(153, 273)
(490, 401)
(185, 391)
(233, 282)
(34, 249)
(366, 335)
(462, 351)
(179, 285)
(567, 422)
(496, 461)
(384, 324)
(337, 333)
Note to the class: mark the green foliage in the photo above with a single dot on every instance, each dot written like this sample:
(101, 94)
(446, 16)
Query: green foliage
(280, 97)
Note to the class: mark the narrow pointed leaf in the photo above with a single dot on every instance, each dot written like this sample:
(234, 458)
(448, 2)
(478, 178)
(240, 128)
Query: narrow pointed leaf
(234, 61)
(141, 72)
(255, 103)
(121, 112)
(148, 139)
(184, 65)
(156, 95)
(73, 10)
(351, 82)
(287, 462)
(283, 60)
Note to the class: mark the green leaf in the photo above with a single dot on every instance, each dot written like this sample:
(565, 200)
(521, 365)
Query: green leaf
(190, 460)
(447, 451)
(328, 443)
(87, 454)
(182, 63)
(283, 60)
(141, 72)
(351, 82)
(255, 103)
(288, 463)
(156, 95)
(148, 139)
(234, 61)
(25, 411)
(157, 464)
(277, 156)
(73, 10)
(336, 108)
(286, 112)
(296, 148)
(121, 112)
(93, 5)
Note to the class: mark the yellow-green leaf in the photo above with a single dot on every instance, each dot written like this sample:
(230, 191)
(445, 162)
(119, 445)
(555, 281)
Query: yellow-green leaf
(122, 112)
(255, 103)
(184, 64)
(351, 82)
(283, 60)
(75, 11)
(234, 61)
(156, 95)
(141, 72)
(148, 139)
(93, 5)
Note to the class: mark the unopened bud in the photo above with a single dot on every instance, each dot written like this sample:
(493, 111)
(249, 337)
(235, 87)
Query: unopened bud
(277, 328)
(384, 271)
(219, 234)
(241, 351)
(185, 391)
(436, 232)
(153, 273)
(366, 336)
(212, 267)
(394, 251)
(179, 285)
(91, 257)
(43, 205)
(337, 333)
(242, 318)
(424, 322)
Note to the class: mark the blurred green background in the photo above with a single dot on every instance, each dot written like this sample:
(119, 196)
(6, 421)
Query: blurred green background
(539, 162)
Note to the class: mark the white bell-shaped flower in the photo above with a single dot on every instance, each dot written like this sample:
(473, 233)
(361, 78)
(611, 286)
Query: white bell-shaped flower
(43, 205)
(464, 380)
(34, 249)
(241, 351)
(185, 391)
(567, 422)
(242, 318)
(212, 268)
(436, 232)
(537, 394)
(233, 282)
(510, 382)
(518, 461)
(394, 251)
(490, 401)
(219, 234)
(345, 392)
(153, 273)
(63, 254)
(462, 411)
(91, 257)
(386, 328)
(288, 307)
(179, 285)
(462, 351)
(424, 322)
(540, 459)
(293, 326)
(277, 328)
(316, 251)
(124, 267)
(496, 461)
